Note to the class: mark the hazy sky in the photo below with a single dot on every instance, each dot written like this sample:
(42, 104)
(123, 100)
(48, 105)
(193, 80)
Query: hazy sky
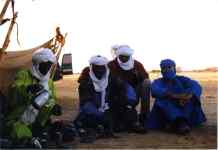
(184, 30)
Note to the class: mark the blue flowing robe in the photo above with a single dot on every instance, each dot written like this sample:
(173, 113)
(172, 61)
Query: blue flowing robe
(167, 110)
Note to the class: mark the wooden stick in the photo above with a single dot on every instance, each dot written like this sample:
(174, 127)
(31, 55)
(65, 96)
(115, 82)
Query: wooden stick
(7, 38)
(58, 55)
(4, 9)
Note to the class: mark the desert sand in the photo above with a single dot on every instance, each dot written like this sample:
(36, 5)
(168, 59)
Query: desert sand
(204, 136)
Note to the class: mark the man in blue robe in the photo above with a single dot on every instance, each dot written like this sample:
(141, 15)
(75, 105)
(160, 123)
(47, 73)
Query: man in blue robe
(177, 103)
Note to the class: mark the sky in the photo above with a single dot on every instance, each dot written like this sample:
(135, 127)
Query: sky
(183, 30)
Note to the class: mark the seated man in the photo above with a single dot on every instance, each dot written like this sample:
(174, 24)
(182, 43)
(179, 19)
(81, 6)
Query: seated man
(137, 87)
(177, 103)
(32, 101)
(96, 91)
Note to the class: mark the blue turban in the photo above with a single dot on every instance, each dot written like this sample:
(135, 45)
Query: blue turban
(168, 69)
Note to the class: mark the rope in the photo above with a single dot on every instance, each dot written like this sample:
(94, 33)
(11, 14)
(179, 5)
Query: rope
(18, 42)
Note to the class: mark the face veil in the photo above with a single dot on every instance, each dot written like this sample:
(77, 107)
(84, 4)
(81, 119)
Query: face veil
(168, 69)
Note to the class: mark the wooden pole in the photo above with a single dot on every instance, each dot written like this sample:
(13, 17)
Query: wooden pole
(58, 55)
(4, 10)
(7, 38)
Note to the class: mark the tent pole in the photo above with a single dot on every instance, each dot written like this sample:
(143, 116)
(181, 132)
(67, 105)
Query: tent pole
(4, 10)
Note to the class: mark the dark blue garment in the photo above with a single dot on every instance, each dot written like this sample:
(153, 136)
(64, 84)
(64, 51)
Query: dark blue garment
(167, 63)
(168, 69)
(89, 114)
(167, 110)
(91, 107)
(131, 95)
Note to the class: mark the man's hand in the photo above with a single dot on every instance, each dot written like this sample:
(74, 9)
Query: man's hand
(181, 98)
(29, 115)
(184, 96)
(34, 89)
(147, 83)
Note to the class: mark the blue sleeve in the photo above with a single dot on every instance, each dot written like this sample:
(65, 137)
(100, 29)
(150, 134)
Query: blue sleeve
(191, 86)
(157, 89)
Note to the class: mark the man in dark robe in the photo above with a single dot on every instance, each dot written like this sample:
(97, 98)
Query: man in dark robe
(97, 90)
(137, 88)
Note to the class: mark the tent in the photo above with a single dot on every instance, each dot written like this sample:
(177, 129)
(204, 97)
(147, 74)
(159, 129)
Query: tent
(13, 61)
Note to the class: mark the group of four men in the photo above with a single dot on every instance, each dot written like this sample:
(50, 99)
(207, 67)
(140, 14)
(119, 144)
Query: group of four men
(109, 93)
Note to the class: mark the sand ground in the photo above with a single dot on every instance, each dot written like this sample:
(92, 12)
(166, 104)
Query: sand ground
(202, 137)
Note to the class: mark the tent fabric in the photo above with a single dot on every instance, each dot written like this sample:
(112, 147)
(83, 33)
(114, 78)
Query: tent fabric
(16, 59)
(13, 61)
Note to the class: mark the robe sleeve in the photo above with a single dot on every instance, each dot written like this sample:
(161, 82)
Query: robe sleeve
(85, 87)
(158, 90)
(142, 73)
(18, 92)
(191, 86)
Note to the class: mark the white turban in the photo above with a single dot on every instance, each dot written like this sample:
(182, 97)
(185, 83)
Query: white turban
(43, 55)
(39, 56)
(124, 50)
(100, 85)
(98, 60)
